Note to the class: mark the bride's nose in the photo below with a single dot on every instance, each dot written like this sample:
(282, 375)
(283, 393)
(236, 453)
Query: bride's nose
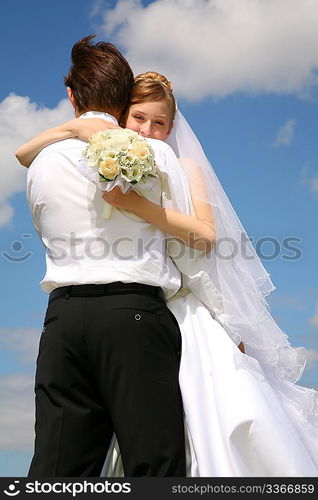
(146, 129)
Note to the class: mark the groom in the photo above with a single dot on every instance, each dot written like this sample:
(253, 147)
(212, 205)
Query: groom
(110, 348)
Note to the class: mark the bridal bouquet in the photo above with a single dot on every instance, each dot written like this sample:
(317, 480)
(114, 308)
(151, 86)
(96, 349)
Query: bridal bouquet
(118, 157)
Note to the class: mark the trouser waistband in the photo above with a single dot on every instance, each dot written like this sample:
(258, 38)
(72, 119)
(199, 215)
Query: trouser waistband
(114, 288)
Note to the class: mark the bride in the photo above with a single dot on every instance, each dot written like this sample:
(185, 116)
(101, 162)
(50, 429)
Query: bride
(244, 412)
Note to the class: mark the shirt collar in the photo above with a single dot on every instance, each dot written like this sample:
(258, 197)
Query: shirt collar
(99, 114)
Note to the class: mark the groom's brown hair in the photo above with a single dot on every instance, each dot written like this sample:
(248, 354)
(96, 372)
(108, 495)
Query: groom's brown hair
(99, 77)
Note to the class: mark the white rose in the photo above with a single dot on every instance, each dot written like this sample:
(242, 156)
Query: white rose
(139, 149)
(109, 168)
(119, 142)
(97, 138)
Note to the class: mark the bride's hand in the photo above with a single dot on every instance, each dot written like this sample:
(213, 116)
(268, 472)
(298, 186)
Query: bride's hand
(118, 199)
(84, 128)
(241, 347)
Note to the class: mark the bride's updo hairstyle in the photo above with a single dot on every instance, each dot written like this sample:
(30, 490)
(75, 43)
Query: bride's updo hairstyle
(149, 87)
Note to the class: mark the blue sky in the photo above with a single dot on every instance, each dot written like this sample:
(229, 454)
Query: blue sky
(256, 121)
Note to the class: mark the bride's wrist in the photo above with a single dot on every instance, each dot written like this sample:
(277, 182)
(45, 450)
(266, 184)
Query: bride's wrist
(135, 202)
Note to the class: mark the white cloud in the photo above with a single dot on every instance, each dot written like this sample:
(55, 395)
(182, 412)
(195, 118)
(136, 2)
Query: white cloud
(286, 133)
(21, 119)
(314, 184)
(24, 341)
(217, 47)
(314, 319)
(309, 178)
(16, 412)
(17, 390)
(311, 358)
(6, 213)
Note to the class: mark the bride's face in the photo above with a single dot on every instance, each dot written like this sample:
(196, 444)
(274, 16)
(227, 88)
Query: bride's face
(150, 119)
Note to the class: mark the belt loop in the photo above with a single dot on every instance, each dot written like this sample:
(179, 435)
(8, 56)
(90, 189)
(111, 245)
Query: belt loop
(69, 292)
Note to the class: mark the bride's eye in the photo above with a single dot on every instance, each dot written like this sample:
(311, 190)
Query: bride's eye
(160, 123)
(138, 117)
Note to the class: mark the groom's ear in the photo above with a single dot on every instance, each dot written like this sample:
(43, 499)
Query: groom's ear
(170, 130)
(71, 96)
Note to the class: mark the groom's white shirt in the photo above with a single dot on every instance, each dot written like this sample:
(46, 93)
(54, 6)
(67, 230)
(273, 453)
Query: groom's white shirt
(81, 246)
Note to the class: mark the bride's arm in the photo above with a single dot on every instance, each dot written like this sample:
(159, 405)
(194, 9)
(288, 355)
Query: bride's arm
(77, 127)
(28, 151)
(192, 231)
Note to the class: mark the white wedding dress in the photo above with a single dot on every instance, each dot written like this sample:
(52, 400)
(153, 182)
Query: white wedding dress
(239, 424)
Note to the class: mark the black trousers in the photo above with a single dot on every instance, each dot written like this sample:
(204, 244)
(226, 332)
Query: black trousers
(108, 364)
